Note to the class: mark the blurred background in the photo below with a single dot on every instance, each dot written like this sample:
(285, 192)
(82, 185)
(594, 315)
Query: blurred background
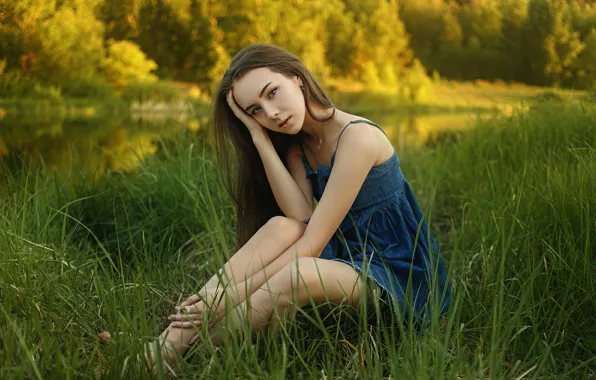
(121, 73)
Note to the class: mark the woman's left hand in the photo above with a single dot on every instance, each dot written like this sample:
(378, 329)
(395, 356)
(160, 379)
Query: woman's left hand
(191, 312)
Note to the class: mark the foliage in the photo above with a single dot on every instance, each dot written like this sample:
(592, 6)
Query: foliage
(126, 63)
(93, 88)
(585, 67)
(15, 85)
(417, 86)
(71, 44)
(541, 42)
(551, 45)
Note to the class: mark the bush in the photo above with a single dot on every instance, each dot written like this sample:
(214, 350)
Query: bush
(13, 84)
(417, 86)
(94, 88)
(126, 63)
(549, 96)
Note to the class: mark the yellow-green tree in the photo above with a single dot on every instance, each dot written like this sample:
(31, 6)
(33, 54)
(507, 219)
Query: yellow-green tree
(125, 63)
(551, 46)
(71, 43)
(585, 64)
(381, 45)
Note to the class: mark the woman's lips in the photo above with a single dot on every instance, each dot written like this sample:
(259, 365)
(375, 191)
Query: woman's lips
(285, 123)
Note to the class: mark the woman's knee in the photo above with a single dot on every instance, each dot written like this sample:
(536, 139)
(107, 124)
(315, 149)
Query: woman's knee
(302, 272)
(305, 275)
(286, 227)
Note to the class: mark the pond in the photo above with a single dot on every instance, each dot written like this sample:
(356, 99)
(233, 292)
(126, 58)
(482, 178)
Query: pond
(121, 144)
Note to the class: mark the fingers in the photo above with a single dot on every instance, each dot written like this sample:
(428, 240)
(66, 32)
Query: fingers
(106, 336)
(184, 317)
(239, 112)
(190, 309)
(194, 340)
(186, 324)
(231, 100)
(190, 300)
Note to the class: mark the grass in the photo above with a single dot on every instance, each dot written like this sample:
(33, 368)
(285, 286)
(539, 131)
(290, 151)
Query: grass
(511, 203)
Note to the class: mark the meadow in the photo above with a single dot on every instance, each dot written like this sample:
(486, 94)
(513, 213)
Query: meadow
(511, 202)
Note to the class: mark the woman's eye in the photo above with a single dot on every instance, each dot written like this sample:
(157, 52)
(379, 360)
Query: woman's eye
(271, 93)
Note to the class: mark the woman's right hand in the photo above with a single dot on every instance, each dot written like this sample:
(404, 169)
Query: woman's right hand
(205, 294)
(257, 131)
(191, 310)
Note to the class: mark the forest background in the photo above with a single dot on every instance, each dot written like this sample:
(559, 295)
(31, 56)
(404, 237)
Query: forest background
(112, 206)
(75, 48)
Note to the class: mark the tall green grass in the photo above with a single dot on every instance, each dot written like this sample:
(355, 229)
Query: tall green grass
(511, 203)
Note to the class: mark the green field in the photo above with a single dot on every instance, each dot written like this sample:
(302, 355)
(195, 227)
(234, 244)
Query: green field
(511, 204)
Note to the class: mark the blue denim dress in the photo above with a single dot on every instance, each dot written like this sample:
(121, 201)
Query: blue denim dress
(385, 236)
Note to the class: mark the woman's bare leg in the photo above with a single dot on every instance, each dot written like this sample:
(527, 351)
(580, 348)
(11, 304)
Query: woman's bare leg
(300, 282)
(268, 243)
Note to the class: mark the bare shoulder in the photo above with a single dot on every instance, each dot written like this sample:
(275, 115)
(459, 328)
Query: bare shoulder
(363, 136)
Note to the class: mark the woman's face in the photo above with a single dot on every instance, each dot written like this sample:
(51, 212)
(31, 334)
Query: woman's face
(271, 99)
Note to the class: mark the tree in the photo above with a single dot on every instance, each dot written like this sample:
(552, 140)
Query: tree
(515, 13)
(121, 18)
(550, 45)
(126, 63)
(423, 24)
(63, 55)
(340, 33)
(585, 65)
(487, 24)
(390, 53)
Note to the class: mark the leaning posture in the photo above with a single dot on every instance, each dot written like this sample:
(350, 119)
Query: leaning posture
(290, 144)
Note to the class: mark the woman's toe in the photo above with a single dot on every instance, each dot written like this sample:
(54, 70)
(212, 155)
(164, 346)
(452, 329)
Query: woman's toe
(106, 337)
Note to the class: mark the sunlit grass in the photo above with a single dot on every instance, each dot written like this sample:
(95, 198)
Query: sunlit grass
(512, 205)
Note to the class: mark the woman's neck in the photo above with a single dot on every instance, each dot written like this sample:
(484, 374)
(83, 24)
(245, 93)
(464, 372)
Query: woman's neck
(320, 130)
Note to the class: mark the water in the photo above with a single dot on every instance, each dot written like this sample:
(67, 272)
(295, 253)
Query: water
(121, 144)
(98, 144)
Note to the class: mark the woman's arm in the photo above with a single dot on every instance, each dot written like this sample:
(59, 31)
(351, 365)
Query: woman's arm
(217, 282)
(356, 155)
(291, 198)
(291, 189)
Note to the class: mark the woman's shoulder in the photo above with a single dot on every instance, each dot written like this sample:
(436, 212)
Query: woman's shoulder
(362, 132)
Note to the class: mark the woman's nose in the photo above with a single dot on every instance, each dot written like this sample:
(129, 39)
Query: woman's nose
(271, 112)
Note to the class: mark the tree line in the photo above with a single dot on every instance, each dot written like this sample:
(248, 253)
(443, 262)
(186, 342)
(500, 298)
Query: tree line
(393, 43)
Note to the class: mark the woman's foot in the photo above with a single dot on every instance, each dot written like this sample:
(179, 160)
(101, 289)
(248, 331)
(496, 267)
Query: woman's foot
(170, 342)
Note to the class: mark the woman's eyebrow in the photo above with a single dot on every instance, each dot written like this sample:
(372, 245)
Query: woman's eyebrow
(260, 95)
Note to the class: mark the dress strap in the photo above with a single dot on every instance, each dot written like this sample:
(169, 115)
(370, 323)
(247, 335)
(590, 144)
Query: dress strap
(355, 121)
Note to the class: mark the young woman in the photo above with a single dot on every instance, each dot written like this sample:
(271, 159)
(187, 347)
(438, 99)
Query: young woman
(291, 144)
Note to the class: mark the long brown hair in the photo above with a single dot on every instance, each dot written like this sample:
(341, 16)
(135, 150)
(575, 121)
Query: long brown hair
(241, 166)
